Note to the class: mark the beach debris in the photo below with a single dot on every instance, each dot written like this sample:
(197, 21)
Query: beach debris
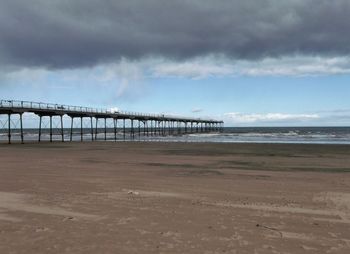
(273, 229)
(130, 192)
(69, 218)
(41, 229)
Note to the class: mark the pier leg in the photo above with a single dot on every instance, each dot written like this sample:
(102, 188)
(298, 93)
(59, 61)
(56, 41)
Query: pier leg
(163, 128)
(139, 128)
(71, 129)
(124, 128)
(40, 128)
(92, 129)
(132, 129)
(156, 128)
(105, 129)
(144, 128)
(81, 129)
(151, 128)
(96, 128)
(147, 127)
(115, 128)
(9, 128)
(62, 130)
(22, 136)
(50, 128)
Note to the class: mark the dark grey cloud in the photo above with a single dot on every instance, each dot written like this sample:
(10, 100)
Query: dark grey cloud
(69, 34)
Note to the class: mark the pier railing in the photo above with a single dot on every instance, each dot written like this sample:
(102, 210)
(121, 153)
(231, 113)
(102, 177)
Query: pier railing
(29, 105)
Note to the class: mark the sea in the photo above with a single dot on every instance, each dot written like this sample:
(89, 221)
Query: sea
(296, 135)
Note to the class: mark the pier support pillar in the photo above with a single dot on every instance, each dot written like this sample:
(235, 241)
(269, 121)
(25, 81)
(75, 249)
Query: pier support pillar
(62, 130)
(139, 128)
(50, 128)
(147, 130)
(91, 129)
(21, 122)
(144, 127)
(161, 127)
(96, 125)
(132, 129)
(81, 129)
(115, 122)
(124, 128)
(71, 129)
(40, 120)
(9, 129)
(151, 128)
(105, 129)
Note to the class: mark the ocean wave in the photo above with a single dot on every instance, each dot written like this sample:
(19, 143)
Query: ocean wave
(323, 135)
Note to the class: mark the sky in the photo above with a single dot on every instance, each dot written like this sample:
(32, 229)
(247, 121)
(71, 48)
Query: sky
(249, 63)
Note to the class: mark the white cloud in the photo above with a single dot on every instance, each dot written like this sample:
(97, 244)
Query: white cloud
(237, 117)
(296, 66)
(197, 110)
(194, 69)
(216, 66)
(128, 76)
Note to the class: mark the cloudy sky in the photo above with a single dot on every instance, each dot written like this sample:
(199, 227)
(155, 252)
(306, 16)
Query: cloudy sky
(250, 63)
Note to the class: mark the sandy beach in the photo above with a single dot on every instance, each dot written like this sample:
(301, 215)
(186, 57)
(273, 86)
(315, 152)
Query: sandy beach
(134, 197)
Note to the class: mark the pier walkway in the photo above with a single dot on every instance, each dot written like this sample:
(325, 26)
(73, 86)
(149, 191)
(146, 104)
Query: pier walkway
(139, 123)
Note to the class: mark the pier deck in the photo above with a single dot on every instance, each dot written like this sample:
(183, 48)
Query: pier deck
(159, 124)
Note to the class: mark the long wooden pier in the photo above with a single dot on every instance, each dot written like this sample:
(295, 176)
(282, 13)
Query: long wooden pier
(140, 123)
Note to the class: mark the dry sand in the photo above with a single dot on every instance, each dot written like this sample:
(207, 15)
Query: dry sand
(174, 198)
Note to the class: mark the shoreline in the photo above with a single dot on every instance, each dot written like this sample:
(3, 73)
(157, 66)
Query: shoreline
(16, 141)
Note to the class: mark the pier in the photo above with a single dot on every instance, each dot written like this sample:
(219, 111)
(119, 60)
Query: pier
(138, 123)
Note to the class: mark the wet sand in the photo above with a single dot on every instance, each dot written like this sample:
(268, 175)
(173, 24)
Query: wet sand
(174, 198)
